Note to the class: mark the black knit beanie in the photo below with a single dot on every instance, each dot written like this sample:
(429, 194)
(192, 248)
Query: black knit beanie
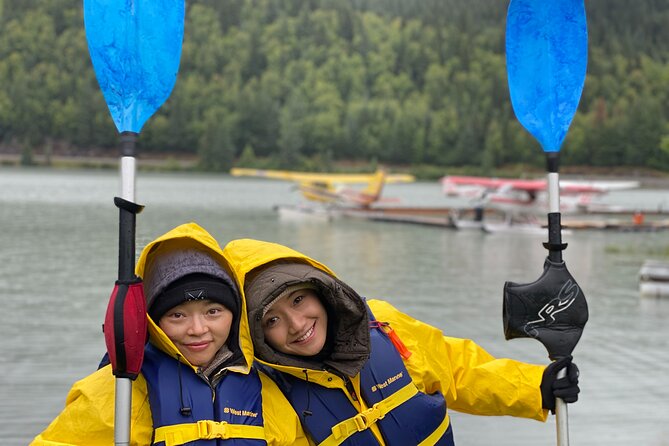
(194, 287)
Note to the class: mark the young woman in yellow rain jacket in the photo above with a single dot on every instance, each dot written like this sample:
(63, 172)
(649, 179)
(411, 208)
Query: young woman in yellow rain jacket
(361, 372)
(197, 385)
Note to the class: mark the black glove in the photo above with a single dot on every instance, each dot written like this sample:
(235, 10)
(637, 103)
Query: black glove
(553, 387)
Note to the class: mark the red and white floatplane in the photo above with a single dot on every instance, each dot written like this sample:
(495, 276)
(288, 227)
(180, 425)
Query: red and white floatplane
(523, 201)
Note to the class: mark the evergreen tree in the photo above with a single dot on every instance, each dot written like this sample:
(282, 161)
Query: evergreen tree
(397, 81)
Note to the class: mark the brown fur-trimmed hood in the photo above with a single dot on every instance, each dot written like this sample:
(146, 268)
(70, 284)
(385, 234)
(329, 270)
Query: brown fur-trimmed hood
(347, 311)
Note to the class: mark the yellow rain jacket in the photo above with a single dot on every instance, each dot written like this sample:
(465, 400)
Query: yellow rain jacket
(471, 380)
(88, 416)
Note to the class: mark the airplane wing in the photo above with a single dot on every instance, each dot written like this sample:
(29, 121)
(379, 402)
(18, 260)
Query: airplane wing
(322, 178)
(454, 183)
(468, 185)
(597, 186)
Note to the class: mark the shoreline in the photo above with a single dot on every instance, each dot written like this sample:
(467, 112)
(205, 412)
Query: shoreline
(189, 163)
(169, 163)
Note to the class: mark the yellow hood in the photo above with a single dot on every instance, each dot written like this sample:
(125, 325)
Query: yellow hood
(247, 254)
(258, 272)
(191, 235)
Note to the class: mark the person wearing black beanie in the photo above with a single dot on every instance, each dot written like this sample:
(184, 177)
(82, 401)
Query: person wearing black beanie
(199, 314)
(194, 301)
(198, 383)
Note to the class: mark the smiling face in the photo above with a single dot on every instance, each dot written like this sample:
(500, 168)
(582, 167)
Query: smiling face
(198, 329)
(296, 324)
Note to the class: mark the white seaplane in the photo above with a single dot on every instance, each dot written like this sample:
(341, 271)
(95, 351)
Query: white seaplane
(327, 194)
(522, 201)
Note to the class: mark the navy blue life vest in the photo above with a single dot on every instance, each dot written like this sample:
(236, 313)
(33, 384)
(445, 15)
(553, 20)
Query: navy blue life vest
(214, 413)
(384, 374)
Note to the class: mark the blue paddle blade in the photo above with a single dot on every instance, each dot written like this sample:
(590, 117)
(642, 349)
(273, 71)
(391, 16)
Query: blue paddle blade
(135, 47)
(546, 58)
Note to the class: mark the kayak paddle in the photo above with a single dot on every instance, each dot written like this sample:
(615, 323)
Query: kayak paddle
(546, 57)
(135, 47)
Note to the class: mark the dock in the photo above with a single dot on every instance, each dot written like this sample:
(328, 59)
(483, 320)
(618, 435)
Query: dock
(476, 218)
(617, 225)
(617, 220)
(442, 217)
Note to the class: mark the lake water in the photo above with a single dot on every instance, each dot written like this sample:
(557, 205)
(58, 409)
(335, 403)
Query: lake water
(58, 257)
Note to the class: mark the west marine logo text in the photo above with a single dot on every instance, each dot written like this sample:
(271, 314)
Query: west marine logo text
(240, 413)
(385, 383)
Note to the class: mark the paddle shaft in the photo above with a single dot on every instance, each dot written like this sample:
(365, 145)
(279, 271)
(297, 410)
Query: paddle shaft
(562, 417)
(128, 152)
(126, 273)
(555, 247)
(554, 244)
(127, 215)
(122, 409)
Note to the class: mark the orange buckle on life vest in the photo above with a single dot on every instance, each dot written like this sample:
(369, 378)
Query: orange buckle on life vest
(404, 352)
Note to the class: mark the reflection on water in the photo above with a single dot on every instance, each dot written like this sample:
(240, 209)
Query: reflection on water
(58, 254)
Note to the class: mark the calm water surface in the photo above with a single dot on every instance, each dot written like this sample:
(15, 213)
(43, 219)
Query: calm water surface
(58, 254)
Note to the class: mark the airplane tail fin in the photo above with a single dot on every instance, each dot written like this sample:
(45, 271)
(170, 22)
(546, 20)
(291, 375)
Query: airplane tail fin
(375, 186)
(369, 195)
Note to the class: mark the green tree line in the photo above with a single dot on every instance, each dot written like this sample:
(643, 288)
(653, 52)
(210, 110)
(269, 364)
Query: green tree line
(411, 82)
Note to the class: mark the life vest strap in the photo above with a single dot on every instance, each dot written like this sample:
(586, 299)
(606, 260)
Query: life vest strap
(437, 434)
(365, 419)
(179, 434)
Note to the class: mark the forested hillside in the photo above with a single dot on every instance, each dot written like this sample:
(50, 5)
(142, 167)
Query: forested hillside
(418, 82)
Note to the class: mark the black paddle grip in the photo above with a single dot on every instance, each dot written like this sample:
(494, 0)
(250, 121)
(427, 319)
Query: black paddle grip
(552, 310)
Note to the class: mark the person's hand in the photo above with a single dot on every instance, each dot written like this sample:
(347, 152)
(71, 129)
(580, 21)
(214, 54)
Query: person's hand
(553, 387)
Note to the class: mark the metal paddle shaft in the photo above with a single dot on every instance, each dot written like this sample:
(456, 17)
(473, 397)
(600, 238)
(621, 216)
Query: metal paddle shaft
(562, 417)
(546, 57)
(554, 244)
(128, 211)
(135, 47)
(555, 248)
